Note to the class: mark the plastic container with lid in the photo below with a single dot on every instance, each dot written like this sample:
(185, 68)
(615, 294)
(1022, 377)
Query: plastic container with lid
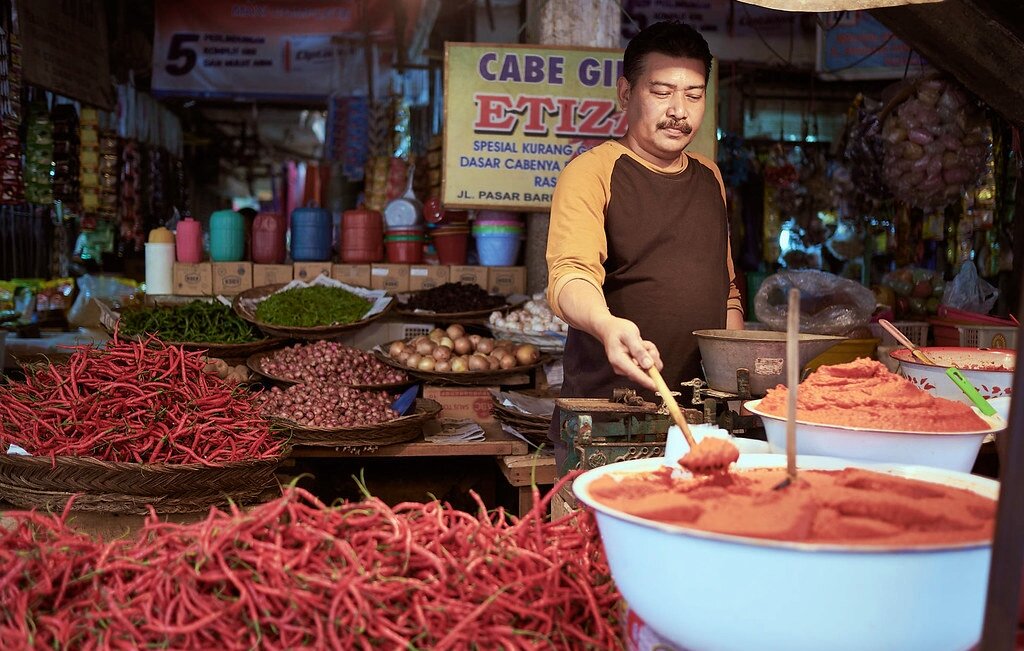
(268, 235)
(404, 248)
(189, 241)
(362, 236)
(312, 234)
(227, 236)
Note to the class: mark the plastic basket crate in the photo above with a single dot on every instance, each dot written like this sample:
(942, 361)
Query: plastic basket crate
(981, 336)
(410, 330)
(915, 331)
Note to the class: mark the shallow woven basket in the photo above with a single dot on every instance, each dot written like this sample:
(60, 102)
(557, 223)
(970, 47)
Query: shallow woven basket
(448, 317)
(254, 362)
(228, 352)
(398, 430)
(313, 332)
(469, 378)
(121, 487)
(549, 343)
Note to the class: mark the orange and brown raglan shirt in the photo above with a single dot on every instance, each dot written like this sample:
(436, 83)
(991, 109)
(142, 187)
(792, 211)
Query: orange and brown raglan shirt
(656, 243)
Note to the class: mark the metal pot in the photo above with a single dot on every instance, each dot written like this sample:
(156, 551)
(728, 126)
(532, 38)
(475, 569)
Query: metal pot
(761, 352)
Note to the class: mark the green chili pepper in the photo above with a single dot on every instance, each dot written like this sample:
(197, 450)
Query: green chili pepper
(197, 321)
(312, 306)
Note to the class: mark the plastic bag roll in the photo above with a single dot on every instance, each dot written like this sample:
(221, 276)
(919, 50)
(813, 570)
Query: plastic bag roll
(159, 268)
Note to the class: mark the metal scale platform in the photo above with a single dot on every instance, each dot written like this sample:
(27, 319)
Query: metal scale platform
(598, 431)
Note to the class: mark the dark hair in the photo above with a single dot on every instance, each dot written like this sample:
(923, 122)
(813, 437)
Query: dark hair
(671, 38)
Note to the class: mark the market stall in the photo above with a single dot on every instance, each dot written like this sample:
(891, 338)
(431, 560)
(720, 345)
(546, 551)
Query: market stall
(280, 370)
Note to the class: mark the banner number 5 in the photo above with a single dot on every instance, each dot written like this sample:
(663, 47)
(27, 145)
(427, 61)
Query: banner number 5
(179, 50)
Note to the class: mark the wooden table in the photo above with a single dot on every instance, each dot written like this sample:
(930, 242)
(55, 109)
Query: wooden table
(496, 443)
(523, 470)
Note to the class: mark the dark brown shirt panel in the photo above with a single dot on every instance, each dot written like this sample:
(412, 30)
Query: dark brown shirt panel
(666, 271)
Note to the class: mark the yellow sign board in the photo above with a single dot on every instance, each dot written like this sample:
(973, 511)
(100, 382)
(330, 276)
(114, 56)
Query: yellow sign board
(515, 115)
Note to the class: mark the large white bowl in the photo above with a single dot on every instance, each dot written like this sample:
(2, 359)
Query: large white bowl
(707, 591)
(949, 450)
(933, 378)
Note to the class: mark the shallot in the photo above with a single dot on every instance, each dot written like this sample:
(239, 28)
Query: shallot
(330, 361)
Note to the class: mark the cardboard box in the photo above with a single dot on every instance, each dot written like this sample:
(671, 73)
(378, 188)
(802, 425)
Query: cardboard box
(392, 278)
(193, 279)
(463, 402)
(271, 274)
(308, 271)
(427, 276)
(506, 280)
(469, 275)
(230, 278)
(357, 275)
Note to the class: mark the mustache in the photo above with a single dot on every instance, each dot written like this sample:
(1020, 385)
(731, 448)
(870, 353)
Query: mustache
(682, 125)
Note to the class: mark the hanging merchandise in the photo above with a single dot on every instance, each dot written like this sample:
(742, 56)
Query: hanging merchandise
(12, 180)
(862, 154)
(109, 170)
(131, 231)
(935, 142)
(66, 157)
(89, 159)
(348, 120)
(39, 155)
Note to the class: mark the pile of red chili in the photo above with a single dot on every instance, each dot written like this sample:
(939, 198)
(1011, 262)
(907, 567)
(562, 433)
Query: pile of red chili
(293, 573)
(143, 402)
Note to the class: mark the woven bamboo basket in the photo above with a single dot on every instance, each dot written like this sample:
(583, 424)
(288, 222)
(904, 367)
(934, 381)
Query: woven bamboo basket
(469, 378)
(448, 317)
(533, 427)
(254, 362)
(399, 430)
(121, 487)
(313, 332)
(232, 353)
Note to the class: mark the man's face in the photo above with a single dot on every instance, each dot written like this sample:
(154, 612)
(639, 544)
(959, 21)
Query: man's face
(664, 108)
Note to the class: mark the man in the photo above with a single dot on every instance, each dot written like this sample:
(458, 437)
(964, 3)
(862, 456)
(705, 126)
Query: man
(638, 247)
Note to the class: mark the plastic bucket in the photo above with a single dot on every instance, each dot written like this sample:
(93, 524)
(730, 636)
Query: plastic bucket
(404, 251)
(312, 233)
(451, 246)
(497, 249)
(362, 236)
(493, 230)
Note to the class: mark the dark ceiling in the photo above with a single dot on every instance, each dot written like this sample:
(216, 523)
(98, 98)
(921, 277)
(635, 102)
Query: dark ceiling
(980, 42)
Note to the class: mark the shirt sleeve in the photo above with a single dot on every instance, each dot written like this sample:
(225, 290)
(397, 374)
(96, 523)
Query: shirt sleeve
(577, 245)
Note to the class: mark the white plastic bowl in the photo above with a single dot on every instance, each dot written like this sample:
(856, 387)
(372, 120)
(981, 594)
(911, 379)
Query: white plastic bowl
(933, 379)
(949, 450)
(715, 592)
(676, 446)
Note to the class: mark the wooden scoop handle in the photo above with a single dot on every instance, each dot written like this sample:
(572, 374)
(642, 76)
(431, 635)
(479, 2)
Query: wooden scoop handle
(906, 343)
(673, 406)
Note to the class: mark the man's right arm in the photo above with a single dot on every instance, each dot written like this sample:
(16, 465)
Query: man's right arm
(583, 306)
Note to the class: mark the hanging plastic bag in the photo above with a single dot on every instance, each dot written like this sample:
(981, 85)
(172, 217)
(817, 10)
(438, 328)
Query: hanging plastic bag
(969, 291)
(829, 305)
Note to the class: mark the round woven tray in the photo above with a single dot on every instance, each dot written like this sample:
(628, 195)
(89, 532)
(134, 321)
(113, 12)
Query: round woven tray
(254, 364)
(469, 378)
(450, 317)
(228, 352)
(398, 430)
(121, 487)
(312, 332)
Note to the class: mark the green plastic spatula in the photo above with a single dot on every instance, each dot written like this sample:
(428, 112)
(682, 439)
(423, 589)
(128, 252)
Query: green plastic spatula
(969, 391)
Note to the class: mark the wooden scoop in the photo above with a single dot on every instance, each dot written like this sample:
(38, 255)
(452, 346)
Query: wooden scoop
(906, 343)
(709, 456)
(792, 384)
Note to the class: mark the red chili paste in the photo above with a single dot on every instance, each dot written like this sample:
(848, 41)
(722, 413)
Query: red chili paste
(864, 393)
(822, 506)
